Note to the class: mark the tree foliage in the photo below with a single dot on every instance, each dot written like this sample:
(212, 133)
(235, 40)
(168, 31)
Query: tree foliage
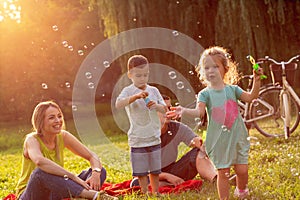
(43, 48)
(246, 27)
(39, 57)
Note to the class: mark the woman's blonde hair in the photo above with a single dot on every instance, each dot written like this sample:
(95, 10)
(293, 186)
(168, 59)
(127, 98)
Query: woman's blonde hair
(38, 116)
(231, 74)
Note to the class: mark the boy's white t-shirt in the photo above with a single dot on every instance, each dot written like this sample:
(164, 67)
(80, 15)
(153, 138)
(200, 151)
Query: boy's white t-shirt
(145, 127)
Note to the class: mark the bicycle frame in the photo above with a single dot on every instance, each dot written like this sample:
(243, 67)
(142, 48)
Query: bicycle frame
(245, 107)
(289, 88)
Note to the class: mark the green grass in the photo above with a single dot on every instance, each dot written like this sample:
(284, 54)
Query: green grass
(274, 166)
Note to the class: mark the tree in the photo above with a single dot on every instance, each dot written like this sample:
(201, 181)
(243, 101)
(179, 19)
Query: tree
(245, 27)
(40, 56)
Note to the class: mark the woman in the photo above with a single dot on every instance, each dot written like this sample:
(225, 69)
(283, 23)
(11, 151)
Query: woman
(43, 175)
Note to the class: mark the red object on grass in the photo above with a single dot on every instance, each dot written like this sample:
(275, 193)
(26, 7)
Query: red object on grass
(117, 189)
(10, 197)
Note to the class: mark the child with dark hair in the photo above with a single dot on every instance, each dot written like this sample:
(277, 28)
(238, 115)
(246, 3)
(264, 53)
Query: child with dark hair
(141, 102)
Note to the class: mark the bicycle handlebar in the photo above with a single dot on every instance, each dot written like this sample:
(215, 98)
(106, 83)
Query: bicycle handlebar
(267, 58)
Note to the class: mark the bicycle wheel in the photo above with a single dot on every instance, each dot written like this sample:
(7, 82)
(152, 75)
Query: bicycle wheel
(269, 122)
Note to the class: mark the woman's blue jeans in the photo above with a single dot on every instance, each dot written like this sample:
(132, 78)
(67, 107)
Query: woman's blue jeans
(44, 186)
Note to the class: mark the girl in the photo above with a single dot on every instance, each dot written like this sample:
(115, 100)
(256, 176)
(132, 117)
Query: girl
(226, 140)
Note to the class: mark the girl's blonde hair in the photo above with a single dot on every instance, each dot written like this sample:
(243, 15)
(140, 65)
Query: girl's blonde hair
(231, 74)
(38, 116)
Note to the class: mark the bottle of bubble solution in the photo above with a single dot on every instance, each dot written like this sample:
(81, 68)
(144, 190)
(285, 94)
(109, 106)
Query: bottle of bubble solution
(147, 100)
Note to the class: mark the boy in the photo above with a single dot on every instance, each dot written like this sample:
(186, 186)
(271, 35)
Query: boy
(141, 102)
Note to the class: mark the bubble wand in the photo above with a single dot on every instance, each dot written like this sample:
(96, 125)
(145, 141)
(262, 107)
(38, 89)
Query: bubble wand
(255, 66)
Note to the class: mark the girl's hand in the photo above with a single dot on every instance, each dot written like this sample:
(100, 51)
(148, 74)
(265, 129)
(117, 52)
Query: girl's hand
(257, 73)
(175, 112)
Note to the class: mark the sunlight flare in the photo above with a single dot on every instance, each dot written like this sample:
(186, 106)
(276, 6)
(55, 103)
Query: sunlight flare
(10, 9)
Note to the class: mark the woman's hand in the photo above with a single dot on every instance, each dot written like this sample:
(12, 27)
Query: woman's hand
(196, 142)
(94, 181)
(82, 182)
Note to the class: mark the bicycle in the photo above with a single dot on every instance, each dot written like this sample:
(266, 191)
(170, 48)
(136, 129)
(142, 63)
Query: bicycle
(278, 106)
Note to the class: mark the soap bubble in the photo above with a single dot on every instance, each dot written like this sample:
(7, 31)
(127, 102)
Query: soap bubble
(65, 43)
(88, 75)
(74, 107)
(80, 52)
(106, 64)
(67, 84)
(44, 86)
(175, 33)
(91, 85)
(55, 28)
(180, 85)
(172, 74)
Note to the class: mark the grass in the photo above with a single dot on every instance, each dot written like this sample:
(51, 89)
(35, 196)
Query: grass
(274, 165)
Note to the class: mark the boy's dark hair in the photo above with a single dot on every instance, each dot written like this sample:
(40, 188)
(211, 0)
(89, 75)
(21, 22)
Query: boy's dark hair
(137, 61)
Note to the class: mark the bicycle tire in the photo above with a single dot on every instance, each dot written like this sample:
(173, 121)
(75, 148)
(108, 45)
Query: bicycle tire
(272, 126)
(286, 114)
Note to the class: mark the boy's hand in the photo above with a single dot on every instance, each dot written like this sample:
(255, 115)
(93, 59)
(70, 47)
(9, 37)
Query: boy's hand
(151, 105)
(141, 95)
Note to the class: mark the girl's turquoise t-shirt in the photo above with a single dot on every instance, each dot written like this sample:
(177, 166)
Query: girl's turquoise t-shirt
(226, 139)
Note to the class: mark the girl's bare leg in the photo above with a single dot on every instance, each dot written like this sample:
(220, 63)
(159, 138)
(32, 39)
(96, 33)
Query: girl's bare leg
(241, 171)
(223, 183)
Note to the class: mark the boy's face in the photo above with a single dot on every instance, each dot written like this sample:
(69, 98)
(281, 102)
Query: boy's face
(139, 76)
